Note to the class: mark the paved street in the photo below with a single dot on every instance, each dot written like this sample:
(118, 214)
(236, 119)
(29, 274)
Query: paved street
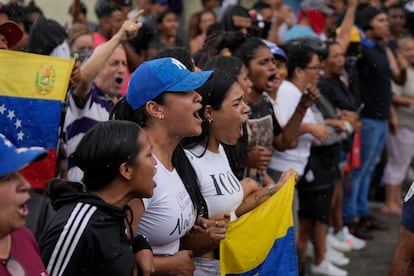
(375, 258)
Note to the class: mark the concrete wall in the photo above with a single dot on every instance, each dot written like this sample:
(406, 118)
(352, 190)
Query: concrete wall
(58, 9)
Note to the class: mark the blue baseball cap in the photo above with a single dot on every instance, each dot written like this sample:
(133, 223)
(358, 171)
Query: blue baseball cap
(13, 159)
(276, 50)
(154, 77)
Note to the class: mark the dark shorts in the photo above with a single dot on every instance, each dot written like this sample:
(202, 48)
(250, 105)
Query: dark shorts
(316, 205)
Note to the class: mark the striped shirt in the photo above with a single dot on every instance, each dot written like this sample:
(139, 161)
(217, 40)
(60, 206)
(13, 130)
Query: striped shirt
(80, 117)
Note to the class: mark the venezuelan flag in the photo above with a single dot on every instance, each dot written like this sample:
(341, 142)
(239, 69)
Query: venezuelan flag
(262, 241)
(32, 91)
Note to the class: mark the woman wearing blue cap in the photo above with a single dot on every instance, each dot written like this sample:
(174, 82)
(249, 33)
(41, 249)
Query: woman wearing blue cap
(161, 97)
(19, 254)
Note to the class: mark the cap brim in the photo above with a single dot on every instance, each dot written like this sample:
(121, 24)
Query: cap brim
(192, 81)
(280, 54)
(277, 52)
(21, 158)
(12, 32)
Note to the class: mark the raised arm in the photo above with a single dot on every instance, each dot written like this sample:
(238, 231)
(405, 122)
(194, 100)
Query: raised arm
(258, 196)
(342, 38)
(94, 64)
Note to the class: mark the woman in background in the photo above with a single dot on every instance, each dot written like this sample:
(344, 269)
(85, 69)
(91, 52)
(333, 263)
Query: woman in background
(197, 30)
(167, 32)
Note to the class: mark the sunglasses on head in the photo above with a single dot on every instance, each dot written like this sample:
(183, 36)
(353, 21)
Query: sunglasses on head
(14, 267)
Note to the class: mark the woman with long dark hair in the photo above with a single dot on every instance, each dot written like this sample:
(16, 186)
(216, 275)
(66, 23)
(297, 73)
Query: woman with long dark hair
(224, 112)
(161, 98)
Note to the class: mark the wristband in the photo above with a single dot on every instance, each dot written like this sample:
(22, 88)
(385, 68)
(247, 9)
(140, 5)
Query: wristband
(300, 111)
(349, 128)
(140, 242)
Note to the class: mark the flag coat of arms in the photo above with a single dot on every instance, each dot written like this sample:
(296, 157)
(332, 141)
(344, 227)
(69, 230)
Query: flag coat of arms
(262, 242)
(32, 92)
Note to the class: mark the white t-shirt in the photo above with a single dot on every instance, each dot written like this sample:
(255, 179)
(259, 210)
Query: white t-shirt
(221, 189)
(169, 214)
(287, 99)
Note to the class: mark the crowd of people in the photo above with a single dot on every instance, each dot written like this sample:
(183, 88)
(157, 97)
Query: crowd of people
(165, 137)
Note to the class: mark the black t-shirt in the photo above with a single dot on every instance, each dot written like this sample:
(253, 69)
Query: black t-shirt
(374, 81)
(262, 126)
(340, 97)
(337, 93)
(324, 159)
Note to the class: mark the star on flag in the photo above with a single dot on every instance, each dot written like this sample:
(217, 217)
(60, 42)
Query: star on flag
(18, 123)
(10, 114)
(20, 135)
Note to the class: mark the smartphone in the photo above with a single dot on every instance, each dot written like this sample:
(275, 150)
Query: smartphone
(81, 55)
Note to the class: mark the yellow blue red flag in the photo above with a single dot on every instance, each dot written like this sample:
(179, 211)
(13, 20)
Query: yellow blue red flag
(32, 92)
(262, 242)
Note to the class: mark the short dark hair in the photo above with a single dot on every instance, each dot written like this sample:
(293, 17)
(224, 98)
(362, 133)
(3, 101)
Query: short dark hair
(161, 17)
(299, 55)
(106, 9)
(364, 14)
(15, 12)
(247, 50)
(230, 64)
(395, 6)
(33, 8)
(103, 149)
(180, 53)
(261, 6)
(314, 42)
